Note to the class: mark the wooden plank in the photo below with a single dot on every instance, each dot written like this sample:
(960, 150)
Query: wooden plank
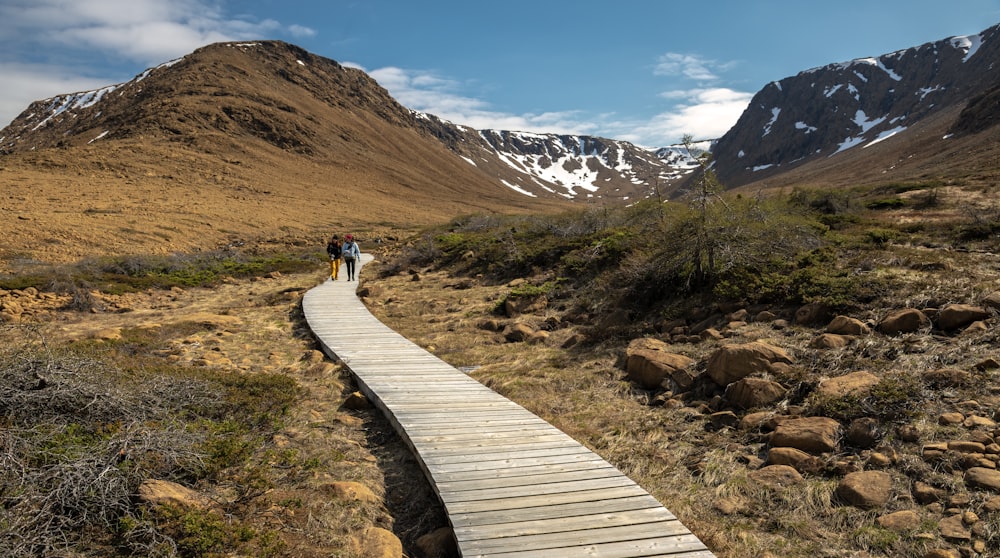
(619, 481)
(513, 485)
(572, 523)
(630, 536)
(578, 497)
(541, 478)
(555, 511)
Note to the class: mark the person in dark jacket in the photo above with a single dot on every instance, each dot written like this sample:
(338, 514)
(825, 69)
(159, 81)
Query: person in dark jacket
(350, 254)
(334, 249)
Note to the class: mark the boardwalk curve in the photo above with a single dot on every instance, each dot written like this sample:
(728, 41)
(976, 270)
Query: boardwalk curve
(513, 486)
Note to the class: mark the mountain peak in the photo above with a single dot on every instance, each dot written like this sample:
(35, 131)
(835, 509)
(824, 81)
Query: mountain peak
(824, 111)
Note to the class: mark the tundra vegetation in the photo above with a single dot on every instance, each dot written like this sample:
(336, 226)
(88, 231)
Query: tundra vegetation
(558, 313)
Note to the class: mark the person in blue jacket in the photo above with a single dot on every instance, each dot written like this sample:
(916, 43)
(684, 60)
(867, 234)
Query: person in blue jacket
(350, 253)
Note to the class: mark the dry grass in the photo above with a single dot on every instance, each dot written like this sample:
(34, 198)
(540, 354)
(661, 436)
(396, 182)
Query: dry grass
(701, 472)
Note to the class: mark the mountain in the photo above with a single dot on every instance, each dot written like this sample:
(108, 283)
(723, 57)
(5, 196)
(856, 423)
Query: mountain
(571, 166)
(259, 90)
(821, 120)
(265, 140)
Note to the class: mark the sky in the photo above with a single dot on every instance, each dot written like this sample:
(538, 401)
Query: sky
(645, 71)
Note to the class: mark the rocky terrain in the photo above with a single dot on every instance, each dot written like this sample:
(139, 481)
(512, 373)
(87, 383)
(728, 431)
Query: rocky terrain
(779, 426)
(769, 430)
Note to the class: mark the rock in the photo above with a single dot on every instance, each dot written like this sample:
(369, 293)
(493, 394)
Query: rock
(800, 460)
(710, 334)
(812, 314)
(439, 543)
(942, 553)
(908, 320)
(908, 433)
(900, 522)
(517, 305)
(947, 377)
(987, 364)
(981, 477)
(955, 316)
(865, 489)
(843, 325)
(947, 419)
(763, 420)
(925, 494)
(992, 505)
(518, 332)
(953, 528)
(648, 364)
(350, 491)
(375, 542)
(992, 300)
(357, 402)
(734, 362)
(966, 446)
(830, 341)
(109, 334)
(857, 384)
(975, 421)
(490, 324)
(776, 476)
(540, 336)
(975, 328)
(724, 419)
(809, 434)
(161, 492)
(765, 316)
(750, 393)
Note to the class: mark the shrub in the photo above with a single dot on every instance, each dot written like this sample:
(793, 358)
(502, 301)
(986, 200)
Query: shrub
(85, 426)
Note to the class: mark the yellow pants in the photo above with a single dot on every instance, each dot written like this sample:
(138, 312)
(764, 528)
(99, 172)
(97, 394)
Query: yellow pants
(334, 268)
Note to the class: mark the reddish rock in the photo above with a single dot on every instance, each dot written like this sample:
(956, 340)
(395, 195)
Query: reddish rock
(844, 325)
(856, 383)
(809, 434)
(865, 489)
(956, 316)
(648, 364)
(776, 476)
(908, 320)
(750, 393)
(734, 362)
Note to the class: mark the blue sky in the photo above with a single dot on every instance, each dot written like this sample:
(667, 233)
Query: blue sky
(641, 70)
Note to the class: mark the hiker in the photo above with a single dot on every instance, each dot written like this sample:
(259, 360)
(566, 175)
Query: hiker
(333, 249)
(351, 253)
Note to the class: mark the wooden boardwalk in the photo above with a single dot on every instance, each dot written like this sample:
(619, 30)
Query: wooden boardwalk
(513, 485)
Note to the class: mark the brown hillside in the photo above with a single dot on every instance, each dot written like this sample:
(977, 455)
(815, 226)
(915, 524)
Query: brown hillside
(234, 142)
(930, 152)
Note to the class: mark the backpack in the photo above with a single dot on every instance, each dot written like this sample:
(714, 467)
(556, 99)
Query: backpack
(348, 251)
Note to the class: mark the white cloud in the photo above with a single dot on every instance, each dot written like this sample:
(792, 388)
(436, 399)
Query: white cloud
(689, 66)
(427, 92)
(703, 113)
(24, 84)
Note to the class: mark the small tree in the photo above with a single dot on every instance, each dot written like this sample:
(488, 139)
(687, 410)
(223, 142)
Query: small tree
(703, 198)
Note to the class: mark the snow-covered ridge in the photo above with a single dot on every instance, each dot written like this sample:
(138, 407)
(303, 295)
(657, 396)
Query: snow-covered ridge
(583, 166)
(60, 104)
